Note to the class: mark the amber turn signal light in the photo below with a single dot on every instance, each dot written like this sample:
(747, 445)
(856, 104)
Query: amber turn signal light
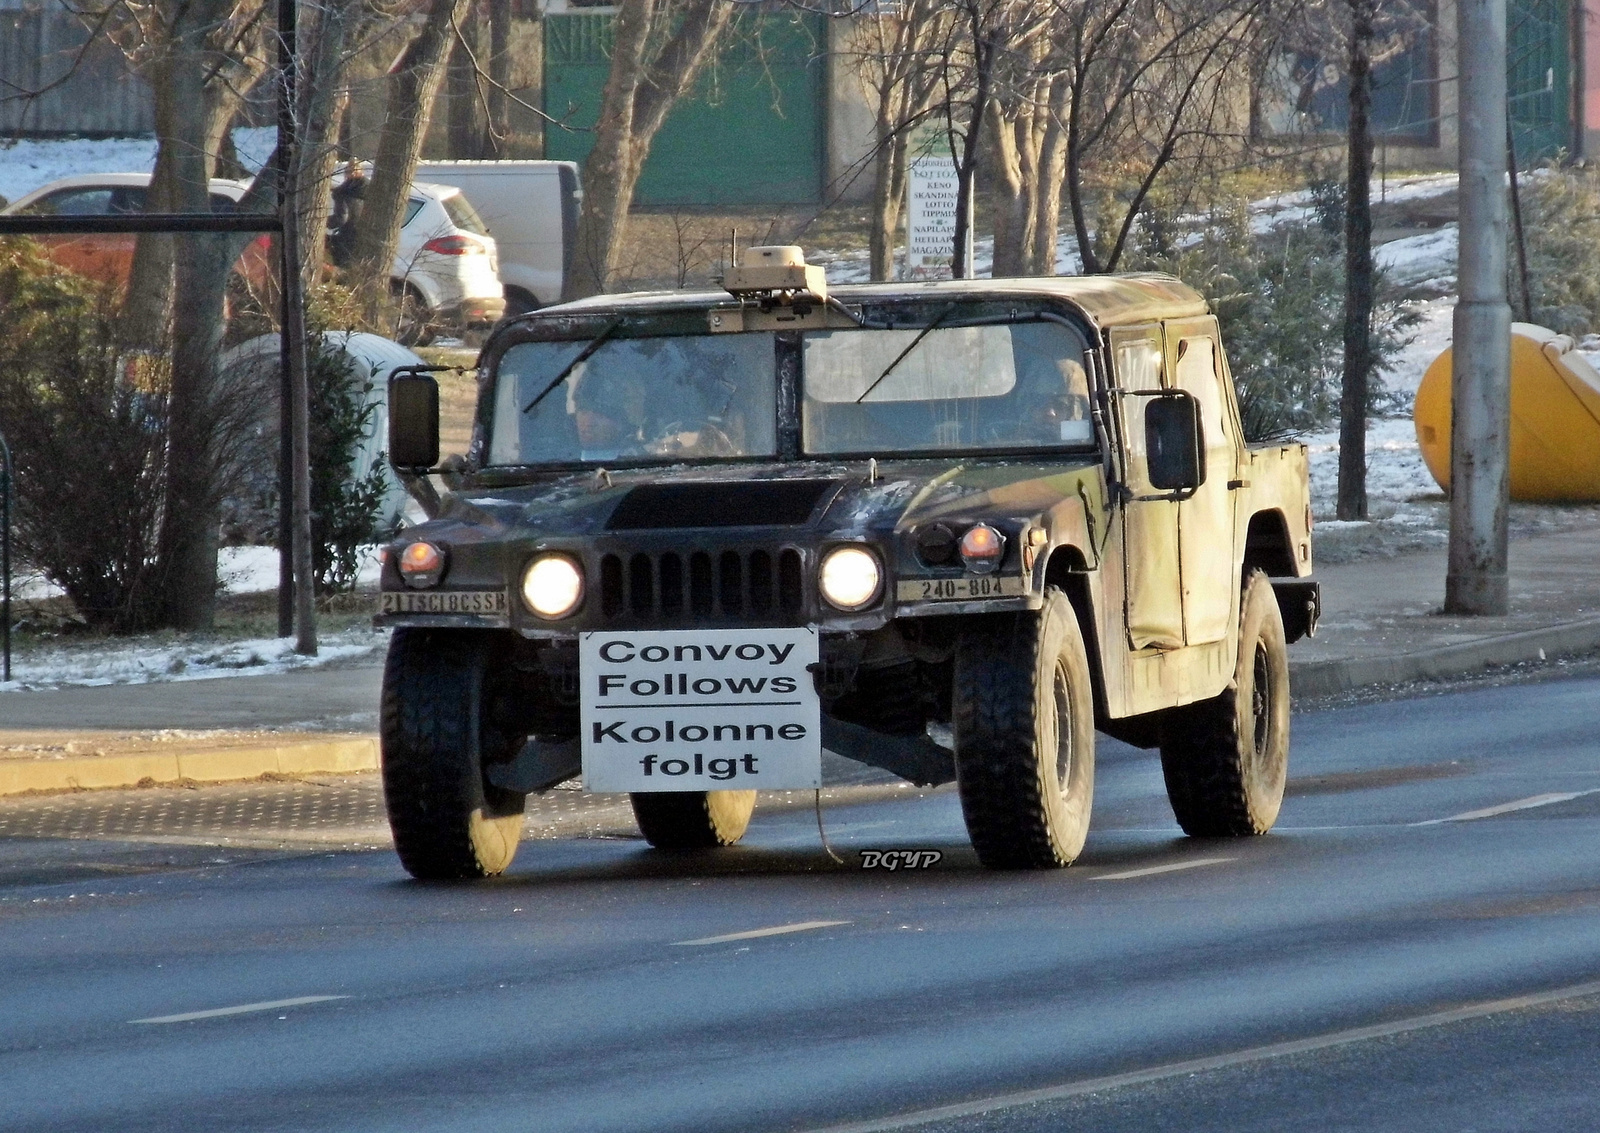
(981, 548)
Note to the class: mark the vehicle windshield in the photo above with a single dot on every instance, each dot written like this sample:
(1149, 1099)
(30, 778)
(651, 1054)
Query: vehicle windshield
(1003, 385)
(636, 399)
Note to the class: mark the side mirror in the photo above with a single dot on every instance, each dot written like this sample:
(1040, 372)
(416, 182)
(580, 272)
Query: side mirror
(413, 421)
(1174, 448)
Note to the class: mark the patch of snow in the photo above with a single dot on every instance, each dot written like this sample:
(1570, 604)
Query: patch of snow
(1295, 207)
(143, 662)
(1425, 256)
(254, 144)
(28, 163)
(1430, 338)
(240, 570)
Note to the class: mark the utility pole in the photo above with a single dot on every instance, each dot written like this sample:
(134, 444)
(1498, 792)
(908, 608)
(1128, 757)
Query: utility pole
(294, 469)
(1480, 376)
(1352, 502)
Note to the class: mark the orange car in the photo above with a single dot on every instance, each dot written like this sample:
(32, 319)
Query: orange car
(109, 256)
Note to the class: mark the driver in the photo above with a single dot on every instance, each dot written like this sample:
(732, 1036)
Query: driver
(1055, 401)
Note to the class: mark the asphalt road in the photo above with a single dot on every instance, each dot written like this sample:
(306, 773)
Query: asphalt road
(1341, 973)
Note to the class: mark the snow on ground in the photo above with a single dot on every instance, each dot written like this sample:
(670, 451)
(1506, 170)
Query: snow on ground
(1285, 208)
(240, 570)
(1427, 259)
(142, 660)
(28, 163)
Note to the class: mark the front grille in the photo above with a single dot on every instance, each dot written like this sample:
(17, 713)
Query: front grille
(759, 584)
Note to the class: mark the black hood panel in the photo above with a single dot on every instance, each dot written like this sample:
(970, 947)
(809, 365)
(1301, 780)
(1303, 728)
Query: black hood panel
(751, 503)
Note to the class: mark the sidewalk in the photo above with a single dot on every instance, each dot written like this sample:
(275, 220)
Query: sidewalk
(1381, 619)
(1380, 626)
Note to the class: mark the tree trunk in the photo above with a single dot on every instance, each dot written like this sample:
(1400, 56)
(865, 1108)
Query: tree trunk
(1052, 171)
(1011, 190)
(888, 196)
(638, 95)
(413, 86)
(466, 115)
(499, 78)
(1358, 272)
(324, 103)
(191, 520)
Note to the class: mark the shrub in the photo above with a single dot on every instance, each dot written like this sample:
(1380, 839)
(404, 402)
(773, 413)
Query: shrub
(1279, 297)
(87, 422)
(345, 509)
(1561, 231)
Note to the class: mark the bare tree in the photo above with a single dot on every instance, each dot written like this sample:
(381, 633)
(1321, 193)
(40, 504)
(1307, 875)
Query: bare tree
(414, 83)
(900, 59)
(201, 57)
(658, 49)
(1142, 84)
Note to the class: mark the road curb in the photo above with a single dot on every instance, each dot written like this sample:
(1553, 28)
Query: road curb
(316, 757)
(1328, 678)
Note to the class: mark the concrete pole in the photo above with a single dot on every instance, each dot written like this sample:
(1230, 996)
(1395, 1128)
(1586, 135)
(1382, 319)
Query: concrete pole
(1480, 425)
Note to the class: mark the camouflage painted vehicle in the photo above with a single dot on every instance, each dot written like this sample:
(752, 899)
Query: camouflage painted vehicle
(945, 529)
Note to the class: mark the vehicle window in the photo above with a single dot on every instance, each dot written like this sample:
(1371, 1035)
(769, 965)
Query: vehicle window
(73, 202)
(637, 399)
(413, 206)
(463, 215)
(127, 199)
(999, 386)
(220, 203)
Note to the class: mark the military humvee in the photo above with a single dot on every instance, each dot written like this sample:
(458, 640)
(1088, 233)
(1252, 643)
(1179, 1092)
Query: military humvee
(947, 529)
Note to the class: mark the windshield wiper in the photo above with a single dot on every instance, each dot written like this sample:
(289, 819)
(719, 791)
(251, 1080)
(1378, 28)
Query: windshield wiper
(584, 355)
(901, 357)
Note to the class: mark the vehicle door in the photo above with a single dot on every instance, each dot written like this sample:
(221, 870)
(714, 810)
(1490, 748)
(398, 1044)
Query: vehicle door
(1208, 565)
(102, 256)
(1152, 595)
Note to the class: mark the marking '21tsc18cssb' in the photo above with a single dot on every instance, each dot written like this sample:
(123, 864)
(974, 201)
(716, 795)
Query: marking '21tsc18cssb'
(948, 529)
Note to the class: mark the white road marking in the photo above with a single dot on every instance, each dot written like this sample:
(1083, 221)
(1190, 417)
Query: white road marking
(242, 1009)
(1507, 808)
(776, 930)
(1150, 871)
(1216, 1062)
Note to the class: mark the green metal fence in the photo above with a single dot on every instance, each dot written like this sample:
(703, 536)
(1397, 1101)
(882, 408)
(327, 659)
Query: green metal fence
(1539, 77)
(753, 130)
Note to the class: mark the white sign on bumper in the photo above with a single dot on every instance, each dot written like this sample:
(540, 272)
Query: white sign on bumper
(700, 710)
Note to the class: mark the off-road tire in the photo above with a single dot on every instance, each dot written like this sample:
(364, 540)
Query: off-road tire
(693, 820)
(1226, 759)
(436, 736)
(1024, 737)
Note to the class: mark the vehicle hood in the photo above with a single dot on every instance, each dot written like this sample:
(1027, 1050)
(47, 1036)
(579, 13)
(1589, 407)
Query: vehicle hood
(831, 500)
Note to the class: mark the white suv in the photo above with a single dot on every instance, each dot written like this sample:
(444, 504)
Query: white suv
(445, 270)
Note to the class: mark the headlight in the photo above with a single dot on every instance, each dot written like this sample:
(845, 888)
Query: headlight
(421, 565)
(850, 577)
(552, 586)
(981, 548)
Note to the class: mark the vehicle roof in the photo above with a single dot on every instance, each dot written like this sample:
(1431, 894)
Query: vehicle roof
(227, 187)
(1105, 300)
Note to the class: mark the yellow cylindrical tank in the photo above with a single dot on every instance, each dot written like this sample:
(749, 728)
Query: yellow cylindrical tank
(1555, 418)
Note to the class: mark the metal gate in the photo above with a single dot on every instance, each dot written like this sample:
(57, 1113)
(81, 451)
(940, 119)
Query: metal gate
(1539, 77)
(753, 130)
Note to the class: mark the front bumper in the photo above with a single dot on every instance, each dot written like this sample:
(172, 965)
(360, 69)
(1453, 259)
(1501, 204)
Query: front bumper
(476, 312)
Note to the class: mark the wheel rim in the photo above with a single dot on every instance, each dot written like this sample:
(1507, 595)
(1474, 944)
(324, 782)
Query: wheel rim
(1260, 701)
(1061, 725)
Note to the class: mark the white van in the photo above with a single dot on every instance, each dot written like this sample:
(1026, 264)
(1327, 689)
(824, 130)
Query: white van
(531, 210)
